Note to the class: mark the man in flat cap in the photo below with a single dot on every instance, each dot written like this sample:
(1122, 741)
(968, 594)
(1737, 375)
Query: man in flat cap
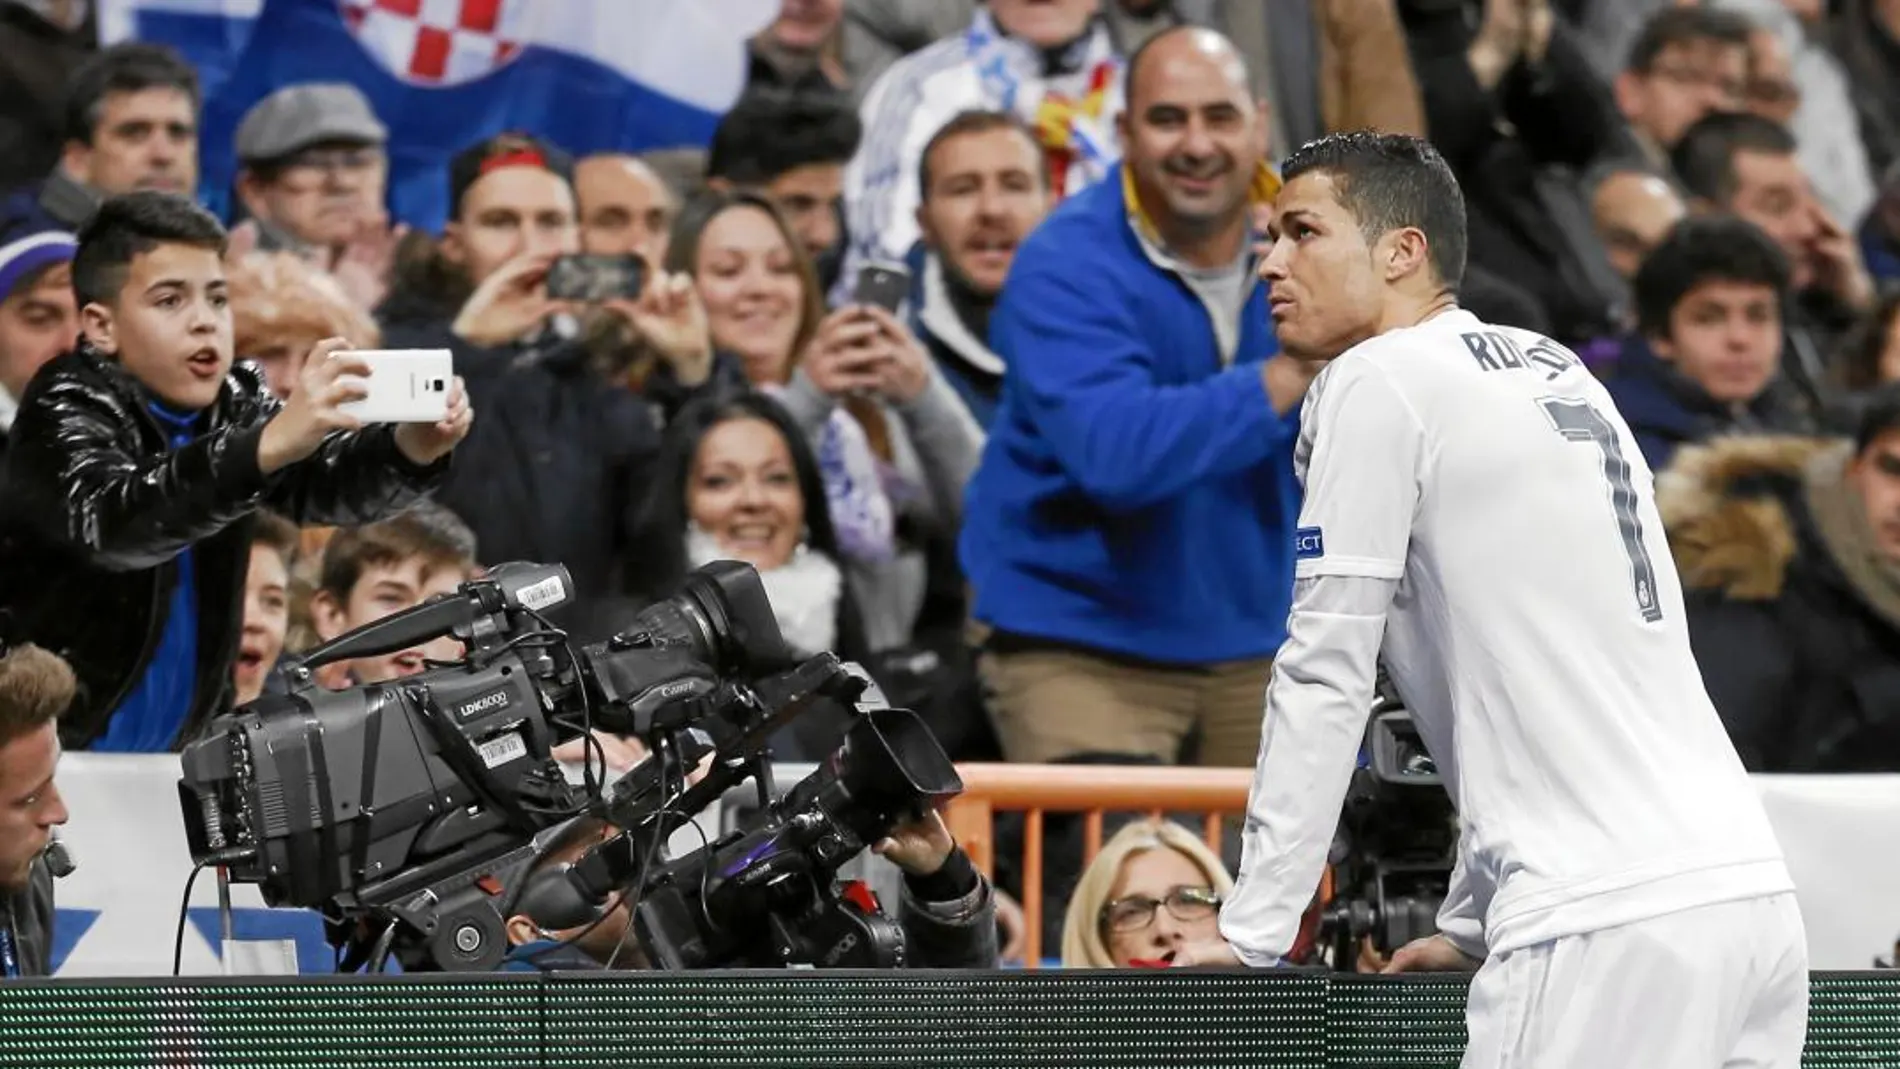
(312, 177)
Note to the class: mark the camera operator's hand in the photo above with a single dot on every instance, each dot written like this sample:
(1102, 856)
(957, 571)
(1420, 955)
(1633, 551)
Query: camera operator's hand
(671, 319)
(1014, 927)
(330, 378)
(1434, 953)
(509, 304)
(920, 847)
(621, 752)
(426, 443)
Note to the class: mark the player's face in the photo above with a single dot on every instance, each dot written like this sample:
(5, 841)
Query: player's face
(1875, 475)
(1726, 338)
(1322, 289)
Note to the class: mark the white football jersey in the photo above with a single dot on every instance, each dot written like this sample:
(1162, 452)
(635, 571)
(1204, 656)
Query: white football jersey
(1477, 510)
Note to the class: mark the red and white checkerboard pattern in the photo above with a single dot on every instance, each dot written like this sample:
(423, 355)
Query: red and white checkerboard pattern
(438, 42)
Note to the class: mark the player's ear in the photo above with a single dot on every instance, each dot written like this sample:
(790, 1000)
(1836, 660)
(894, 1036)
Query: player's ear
(1403, 251)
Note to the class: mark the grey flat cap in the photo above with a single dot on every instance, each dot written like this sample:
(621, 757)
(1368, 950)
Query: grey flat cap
(298, 116)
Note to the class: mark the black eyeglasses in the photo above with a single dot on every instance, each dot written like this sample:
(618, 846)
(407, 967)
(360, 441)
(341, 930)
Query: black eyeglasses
(1136, 912)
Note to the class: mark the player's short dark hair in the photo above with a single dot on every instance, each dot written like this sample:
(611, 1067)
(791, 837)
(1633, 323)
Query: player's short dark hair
(1704, 159)
(770, 132)
(977, 121)
(425, 530)
(131, 67)
(131, 225)
(1702, 249)
(1389, 181)
(1880, 414)
(1679, 27)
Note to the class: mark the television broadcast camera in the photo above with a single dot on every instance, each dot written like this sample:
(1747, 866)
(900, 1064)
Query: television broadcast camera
(1397, 842)
(412, 813)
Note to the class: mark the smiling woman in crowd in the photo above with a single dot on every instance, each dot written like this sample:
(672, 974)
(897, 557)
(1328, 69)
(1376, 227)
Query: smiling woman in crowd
(894, 443)
(737, 481)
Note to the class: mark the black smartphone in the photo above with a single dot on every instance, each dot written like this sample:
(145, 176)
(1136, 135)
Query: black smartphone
(596, 278)
(884, 285)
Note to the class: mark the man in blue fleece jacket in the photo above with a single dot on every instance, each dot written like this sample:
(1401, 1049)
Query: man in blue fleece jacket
(1129, 535)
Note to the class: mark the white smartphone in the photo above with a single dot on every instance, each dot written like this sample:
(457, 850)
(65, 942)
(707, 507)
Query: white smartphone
(405, 385)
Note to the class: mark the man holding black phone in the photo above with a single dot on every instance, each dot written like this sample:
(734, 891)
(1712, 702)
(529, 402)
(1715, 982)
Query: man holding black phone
(557, 468)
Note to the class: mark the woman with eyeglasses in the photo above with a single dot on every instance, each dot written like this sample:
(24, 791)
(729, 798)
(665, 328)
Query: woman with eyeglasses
(1154, 888)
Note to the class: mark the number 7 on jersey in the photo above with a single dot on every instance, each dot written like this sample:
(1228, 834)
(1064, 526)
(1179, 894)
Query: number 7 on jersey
(1579, 421)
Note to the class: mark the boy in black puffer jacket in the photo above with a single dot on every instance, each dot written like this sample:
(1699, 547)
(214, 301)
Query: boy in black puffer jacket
(138, 461)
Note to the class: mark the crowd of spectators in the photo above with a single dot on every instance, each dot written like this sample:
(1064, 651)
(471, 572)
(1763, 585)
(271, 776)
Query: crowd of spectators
(1047, 497)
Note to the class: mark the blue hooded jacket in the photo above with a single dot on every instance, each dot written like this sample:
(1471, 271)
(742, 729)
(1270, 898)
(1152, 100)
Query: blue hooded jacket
(1136, 496)
(1666, 410)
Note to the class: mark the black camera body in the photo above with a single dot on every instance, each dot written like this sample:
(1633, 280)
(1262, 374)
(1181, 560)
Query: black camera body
(1397, 842)
(774, 879)
(413, 813)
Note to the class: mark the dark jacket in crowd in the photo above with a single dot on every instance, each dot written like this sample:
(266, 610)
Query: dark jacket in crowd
(557, 464)
(1796, 627)
(29, 911)
(948, 919)
(56, 202)
(37, 59)
(1666, 410)
(1512, 148)
(1871, 58)
(98, 506)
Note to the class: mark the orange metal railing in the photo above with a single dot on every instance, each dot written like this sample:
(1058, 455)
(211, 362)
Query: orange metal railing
(989, 789)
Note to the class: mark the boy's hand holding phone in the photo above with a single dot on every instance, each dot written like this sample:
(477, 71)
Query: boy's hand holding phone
(330, 379)
(426, 443)
(334, 378)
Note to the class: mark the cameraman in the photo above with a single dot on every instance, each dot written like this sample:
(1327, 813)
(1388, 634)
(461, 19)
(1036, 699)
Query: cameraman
(947, 912)
(35, 688)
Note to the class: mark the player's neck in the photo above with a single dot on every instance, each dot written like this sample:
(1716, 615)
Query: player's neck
(1409, 310)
